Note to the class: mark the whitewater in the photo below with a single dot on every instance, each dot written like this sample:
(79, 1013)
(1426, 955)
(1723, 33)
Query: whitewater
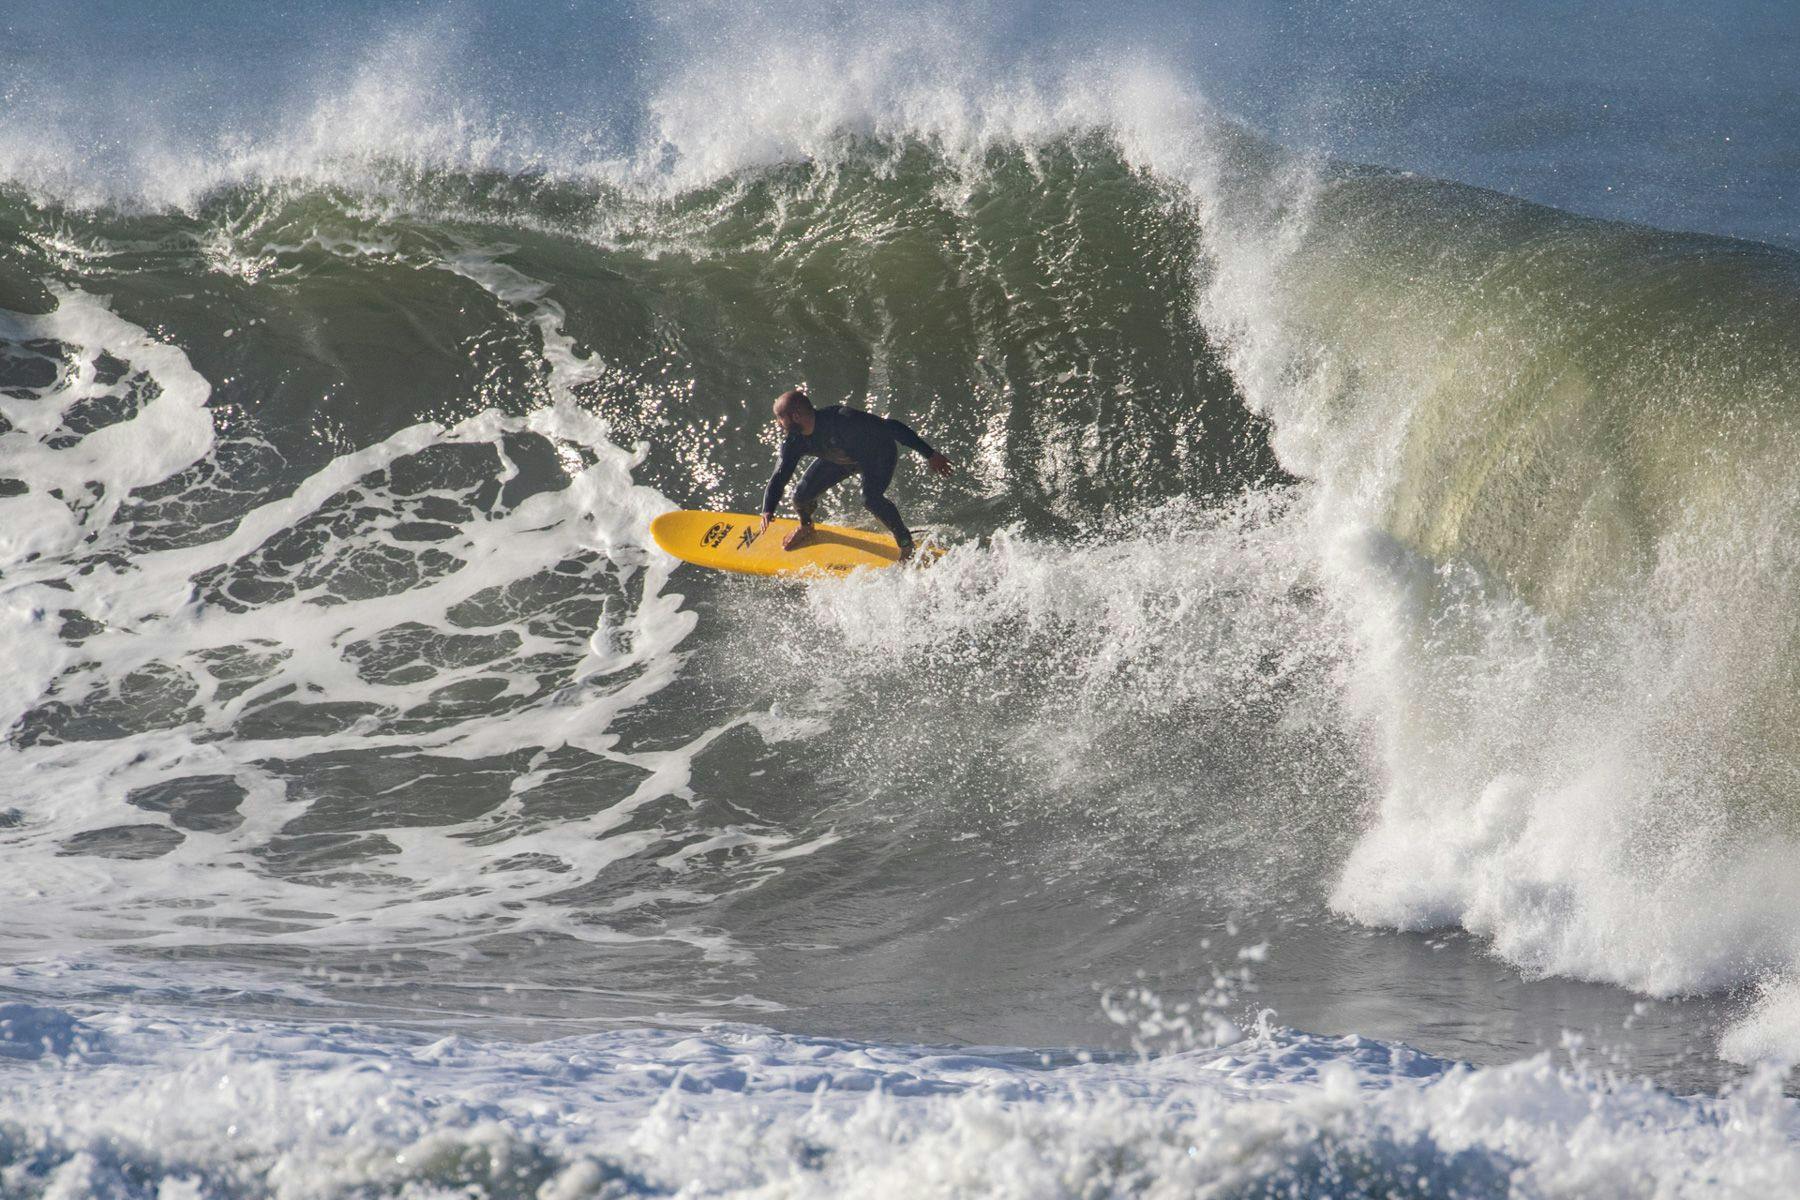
(1346, 751)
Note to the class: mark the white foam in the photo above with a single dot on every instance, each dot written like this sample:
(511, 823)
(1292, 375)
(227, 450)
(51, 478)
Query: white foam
(129, 1104)
(170, 428)
(1125, 623)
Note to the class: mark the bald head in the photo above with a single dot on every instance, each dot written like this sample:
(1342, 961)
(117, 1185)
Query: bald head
(794, 412)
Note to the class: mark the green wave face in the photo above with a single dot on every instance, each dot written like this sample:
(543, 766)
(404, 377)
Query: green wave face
(1578, 438)
(1482, 511)
(1555, 460)
(1565, 402)
(1036, 309)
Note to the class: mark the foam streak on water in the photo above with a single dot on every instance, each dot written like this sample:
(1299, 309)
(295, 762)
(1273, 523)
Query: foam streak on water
(205, 663)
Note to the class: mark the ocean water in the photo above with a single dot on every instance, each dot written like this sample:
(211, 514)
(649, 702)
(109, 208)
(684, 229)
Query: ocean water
(1346, 751)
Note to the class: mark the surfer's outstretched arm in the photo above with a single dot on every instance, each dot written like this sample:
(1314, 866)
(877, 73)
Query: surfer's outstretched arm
(784, 471)
(903, 433)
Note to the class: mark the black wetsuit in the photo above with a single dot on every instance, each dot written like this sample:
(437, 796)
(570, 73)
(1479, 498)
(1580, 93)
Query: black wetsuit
(846, 441)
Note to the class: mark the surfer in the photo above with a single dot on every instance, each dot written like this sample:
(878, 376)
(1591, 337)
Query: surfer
(846, 441)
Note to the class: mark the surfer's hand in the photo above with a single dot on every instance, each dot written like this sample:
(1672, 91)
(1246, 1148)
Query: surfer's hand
(939, 464)
(796, 537)
(764, 527)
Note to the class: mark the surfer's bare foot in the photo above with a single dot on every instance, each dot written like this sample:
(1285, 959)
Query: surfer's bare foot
(797, 538)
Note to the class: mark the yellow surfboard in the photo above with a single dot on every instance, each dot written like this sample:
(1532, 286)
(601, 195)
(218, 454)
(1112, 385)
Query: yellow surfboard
(729, 542)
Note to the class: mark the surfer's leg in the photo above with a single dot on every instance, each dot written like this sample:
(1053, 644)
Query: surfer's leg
(875, 482)
(818, 477)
